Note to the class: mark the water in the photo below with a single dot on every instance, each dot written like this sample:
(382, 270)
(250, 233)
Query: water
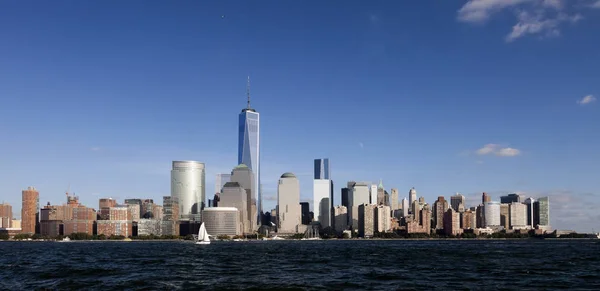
(302, 265)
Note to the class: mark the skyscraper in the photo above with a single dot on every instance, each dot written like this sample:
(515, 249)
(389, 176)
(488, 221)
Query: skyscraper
(358, 194)
(323, 193)
(541, 215)
(412, 196)
(456, 201)
(373, 194)
(243, 175)
(491, 213)
(288, 204)
(510, 198)
(394, 199)
(249, 146)
(220, 181)
(485, 198)
(30, 210)
(187, 186)
(322, 170)
(439, 208)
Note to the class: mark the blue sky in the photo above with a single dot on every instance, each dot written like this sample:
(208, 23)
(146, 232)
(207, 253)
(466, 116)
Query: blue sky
(445, 96)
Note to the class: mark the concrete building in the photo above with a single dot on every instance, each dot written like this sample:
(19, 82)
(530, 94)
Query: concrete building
(188, 186)
(452, 222)
(439, 208)
(412, 196)
(341, 218)
(134, 212)
(323, 197)
(422, 221)
(249, 151)
(104, 205)
(358, 193)
(169, 227)
(504, 216)
(243, 175)
(233, 195)
(366, 220)
(170, 208)
(147, 209)
(456, 201)
(305, 213)
(30, 210)
(114, 228)
(518, 215)
(485, 198)
(405, 207)
(157, 212)
(221, 221)
(468, 219)
(149, 227)
(288, 204)
(510, 198)
(119, 212)
(382, 196)
(394, 199)
(491, 214)
(383, 219)
(6, 215)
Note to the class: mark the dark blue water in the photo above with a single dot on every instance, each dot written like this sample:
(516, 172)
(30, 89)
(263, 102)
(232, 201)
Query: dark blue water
(302, 265)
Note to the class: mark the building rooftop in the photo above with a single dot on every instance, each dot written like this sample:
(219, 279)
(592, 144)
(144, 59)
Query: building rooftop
(288, 175)
(220, 209)
(241, 166)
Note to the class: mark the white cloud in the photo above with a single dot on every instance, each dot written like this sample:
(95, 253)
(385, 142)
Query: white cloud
(498, 150)
(586, 100)
(596, 4)
(534, 17)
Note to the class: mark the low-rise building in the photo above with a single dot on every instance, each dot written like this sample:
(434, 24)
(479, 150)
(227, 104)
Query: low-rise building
(222, 221)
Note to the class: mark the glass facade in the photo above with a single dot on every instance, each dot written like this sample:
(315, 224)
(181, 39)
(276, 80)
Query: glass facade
(187, 186)
(249, 148)
(322, 169)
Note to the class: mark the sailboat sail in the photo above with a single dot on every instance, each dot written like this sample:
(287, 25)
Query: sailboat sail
(203, 234)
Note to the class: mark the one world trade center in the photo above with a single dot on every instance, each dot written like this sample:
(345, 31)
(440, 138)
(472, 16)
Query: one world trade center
(249, 147)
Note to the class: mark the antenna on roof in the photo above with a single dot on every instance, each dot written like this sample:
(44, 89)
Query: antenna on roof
(248, 91)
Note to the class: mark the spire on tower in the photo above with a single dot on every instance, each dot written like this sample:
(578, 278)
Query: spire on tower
(248, 91)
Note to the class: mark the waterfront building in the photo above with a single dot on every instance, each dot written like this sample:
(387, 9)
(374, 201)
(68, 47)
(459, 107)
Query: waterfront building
(383, 219)
(221, 221)
(341, 218)
(439, 208)
(82, 221)
(492, 214)
(405, 207)
(149, 227)
(510, 198)
(30, 210)
(468, 219)
(373, 194)
(541, 215)
(169, 227)
(504, 216)
(243, 175)
(249, 147)
(114, 227)
(147, 209)
(422, 220)
(518, 215)
(288, 204)
(104, 205)
(358, 193)
(233, 195)
(220, 181)
(119, 212)
(480, 216)
(366, 220)
(412, 196)
(134, 211)
(305, 213)
(188, 186)
(157, 212)
(456, 201)
(6, 215)
(170, 208)
(394, 199)
(530, 213)
(452, 222)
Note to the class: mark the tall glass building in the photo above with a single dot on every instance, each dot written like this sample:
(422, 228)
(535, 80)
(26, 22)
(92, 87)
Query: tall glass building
(187, 186)
(249, 147)
(322, 169)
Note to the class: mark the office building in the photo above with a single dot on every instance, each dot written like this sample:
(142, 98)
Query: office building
(170, 208)
(366, 220)
(504, 216)
(30, 210)
(346, 197)
(394, 199)
(188, 187)
(244, 176)
(530, 213)
(510, 198)
(456, 201)
(233, 195)
(518, 215)
(468, 219)
(149, 227)
(358, 193)
(323, 197)
(412, 196)
(373, 194)
(491, 214)
(288, 204)
(382, 218)
(439, 208)
(220, 181)
(249, 147)
(322, 170)
(305, 212)
(405, 207)
(485, 198)
(341, 218)
(422, 220)
(541, 214)
(221, 221)
(134, 212)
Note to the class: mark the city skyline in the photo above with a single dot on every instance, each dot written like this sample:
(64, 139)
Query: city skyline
(458, 108)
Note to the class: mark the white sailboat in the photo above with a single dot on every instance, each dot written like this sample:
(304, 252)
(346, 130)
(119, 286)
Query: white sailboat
(203, 236)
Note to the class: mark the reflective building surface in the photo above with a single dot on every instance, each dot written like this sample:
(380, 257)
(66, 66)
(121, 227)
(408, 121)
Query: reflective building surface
(188, 187)
(249, 146)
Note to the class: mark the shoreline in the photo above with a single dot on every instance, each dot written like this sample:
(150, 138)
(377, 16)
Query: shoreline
(333, 239)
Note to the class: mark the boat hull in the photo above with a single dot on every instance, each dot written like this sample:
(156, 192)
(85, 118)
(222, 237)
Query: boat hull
(202, 242)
